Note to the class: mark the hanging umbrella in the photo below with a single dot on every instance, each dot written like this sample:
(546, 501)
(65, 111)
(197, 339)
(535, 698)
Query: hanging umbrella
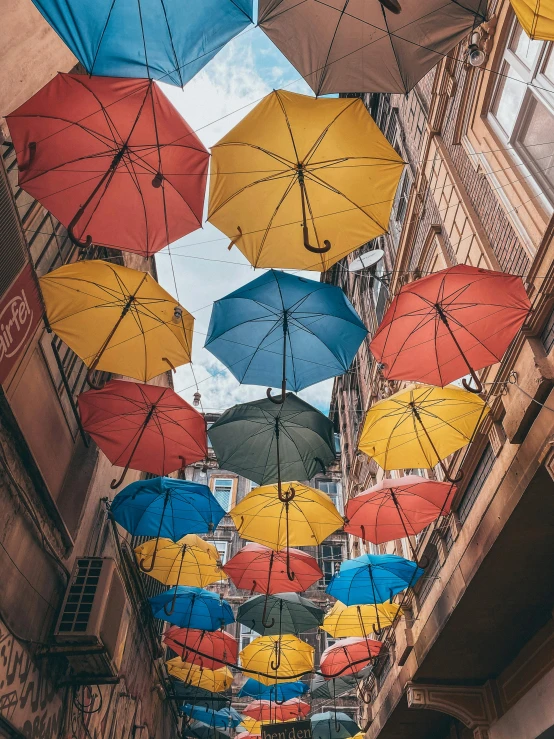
(263, 570)
(333, 725)
(321, 687)
(192, 608)
(278, 657)
(394, 509)
(106, 156)
(210, 649)
(299, 161)
(144, 427)
(283, 330)
(224, 718)
(536, 17)
(283, 613)
(216, 681)
(360, 620)
(198, 696)
(348, 656)
(300, 516)
(420, 426)
(199, 730)
(279, 692)
(449, 324)
(168, 40)
(117, 319)
(377, 45)
(250, 727)
(265, 710)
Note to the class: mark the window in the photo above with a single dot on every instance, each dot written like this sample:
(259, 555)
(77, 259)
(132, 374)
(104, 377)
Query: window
(246, 636)
(476, 482)
(222, 548)
(547, 335)
(402, 202)
(333, 490)
(223, 488)
(428, 579)
(253, 485)
(522, 110)
(330, 558)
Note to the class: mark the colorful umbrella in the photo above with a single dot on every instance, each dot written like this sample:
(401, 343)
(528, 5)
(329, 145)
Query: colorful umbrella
(283, 613)
(299, 161)
(361, 620)
(224, 718)
(251, 727)
(277, 658)
(450, 323)
(117, 319)
(265, 710)
(348, 656)
(394, 509)
(106, 156)
(168, 40)
(144, 427)
(333, 725)
(210, 649)
(216, 681)
(321, 687)
(536, 17)
(199, 730)
(420, 426)
(192, 608)
(299, 516)
(377, 45)
(280, 692)
(283, 330)
(262, 570)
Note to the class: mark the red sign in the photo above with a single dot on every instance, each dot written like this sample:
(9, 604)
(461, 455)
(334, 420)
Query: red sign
(20, 313)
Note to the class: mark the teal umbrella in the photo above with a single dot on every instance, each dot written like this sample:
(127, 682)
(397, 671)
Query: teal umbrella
(282, 613)
(333, 725)
(322, 688)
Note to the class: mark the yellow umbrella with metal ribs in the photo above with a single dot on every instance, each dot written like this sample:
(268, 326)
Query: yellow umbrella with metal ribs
(297, 516)
(189, 561)
(420, 426)
(117, 319)
(536, 17)
(215, 681)
(281, 657)
(344, 621)
(300, 182)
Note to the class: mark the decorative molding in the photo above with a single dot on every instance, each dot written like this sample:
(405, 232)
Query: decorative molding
(470, 704)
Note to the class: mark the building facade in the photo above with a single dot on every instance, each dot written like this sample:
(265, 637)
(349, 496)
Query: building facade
(473, 655)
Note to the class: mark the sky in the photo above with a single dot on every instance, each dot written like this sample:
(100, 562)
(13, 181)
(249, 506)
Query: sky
(199, 268)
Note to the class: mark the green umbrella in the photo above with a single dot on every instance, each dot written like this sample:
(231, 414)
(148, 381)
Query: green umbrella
(283, 613)
(333, 725)
(267, 442)
(322, 688)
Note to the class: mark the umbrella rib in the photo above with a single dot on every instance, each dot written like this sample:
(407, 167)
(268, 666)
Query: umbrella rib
(324, 68)
(278, 176)
(102, 37)
(283, 109)
(288, 189)
(271, 154)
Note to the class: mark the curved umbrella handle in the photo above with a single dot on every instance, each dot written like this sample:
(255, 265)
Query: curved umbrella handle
(478, 384)
(275, 665)
(24, 166)
(279, 703)
(447, 476)
(94, 384)
(264, 613)
(314, 249)
(392, 5)
(173, 601)
(154, 554)
(116, 483)
(278, 400)
(287, 496)
(71, 233)
(377, 632)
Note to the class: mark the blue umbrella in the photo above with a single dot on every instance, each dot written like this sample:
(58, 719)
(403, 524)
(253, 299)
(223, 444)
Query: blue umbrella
(373, 578)
(284, 330)
(192, 608)
(225, 718)
(168, 40)
(282, 692)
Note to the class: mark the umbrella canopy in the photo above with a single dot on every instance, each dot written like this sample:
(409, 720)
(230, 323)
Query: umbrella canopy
(166, 506)
(166, 40)
(373, 578)
(296, 160)
(106, 157)
(536, 17)
(321, 687)
(283, 327)
(224, 718)
(420, 426)
(246, 439)
(277, 658)
(377, 45)
(198, 696)
(189, 561)
(117, 319)
(348, 656)
(216, 681)
(250, 726)
(263, 570)
(280, 692)
(199, 730)
(246, 734)
(333, 725)
(300, 516)
(193, 608)
(265, 710)
(283, 613)
(217, 647)
(144, 427)
(450, 323)
(394, 509)
(361, 620)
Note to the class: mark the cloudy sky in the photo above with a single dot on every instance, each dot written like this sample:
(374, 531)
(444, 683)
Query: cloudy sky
(204, 270)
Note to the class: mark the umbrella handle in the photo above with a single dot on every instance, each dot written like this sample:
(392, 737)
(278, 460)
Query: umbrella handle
(116, 483)
(71, 233)
(278, 400)
(314, 249)
(94, 384)
(377, 632)
(392, 5)
(275, 665)
(173, 601)
(24, 166)
(447, 476)
(154, 555)
(287, 496)
(264, 613)
(478, 384)
(279, 703)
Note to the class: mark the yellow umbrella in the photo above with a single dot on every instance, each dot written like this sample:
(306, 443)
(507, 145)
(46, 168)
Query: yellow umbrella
(344, 621)
(274, 658)
(300, 182)
(213, 680)
(420, 426)
(117, 319)
(536, 17)
(300, 516)
(190, 561)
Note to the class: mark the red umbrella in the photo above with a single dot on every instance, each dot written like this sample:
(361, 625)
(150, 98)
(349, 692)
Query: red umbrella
(263, 710)
(113, 160)
(449, 324)
(394, 509)
(264, 570)
(143, 427)
(348, 656)
(221, 647)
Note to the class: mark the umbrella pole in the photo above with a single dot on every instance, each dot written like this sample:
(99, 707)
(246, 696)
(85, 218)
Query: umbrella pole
(284, 498)
(433, 447)
(280, 400)
(154, 554)
(174, 600)
(378, 632)
(478, 384)
(399, 511)
(272, 622)
(307, 245)
(275, 665)
(116, 483)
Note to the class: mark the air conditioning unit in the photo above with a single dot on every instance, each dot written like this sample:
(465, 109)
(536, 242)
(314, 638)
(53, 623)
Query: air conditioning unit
(92, 628)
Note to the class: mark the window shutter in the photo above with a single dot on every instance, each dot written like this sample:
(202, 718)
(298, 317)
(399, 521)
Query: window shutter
(13, 253)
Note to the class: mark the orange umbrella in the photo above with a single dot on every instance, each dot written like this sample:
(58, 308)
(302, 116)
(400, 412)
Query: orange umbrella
(348, 656)
(263, 710)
